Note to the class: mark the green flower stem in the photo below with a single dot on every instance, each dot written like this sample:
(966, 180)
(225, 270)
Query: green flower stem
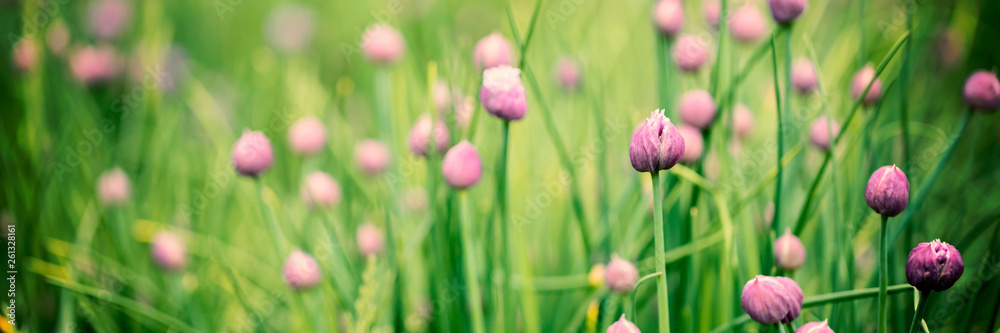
(661, 280)
(776, 222)
(280, 243)
(883, 280)
(921, 308)
(505, 297)
(474, 296)
(636, 288)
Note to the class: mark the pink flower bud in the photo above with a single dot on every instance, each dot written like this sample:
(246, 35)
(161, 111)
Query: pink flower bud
(307, 136)
(771, 300)
(382, 44)
(621, 275)
(301, 271)
(321, 190)
(502, 94)
(492, 51)
(373, 156)
(57, 37)
(113, 187)
(25, 54)
(819, 133)
(789, 254)
(289, 27)
(861, 80)
(420, 136)
(90, 64)
(815, 327)
(743, 120)
(108, 18)
(982, 91)
(697, 109)
(623, 326)
(568, 73)
(168, 251)
(934, 266)
(252, 153)
(656, 145)
(786, 11)
(690, 53)
(804, 76)
(694, 144)
(461, 166)
(442, 96)
(888, 191)
(747, 24)
(711, 10)
(669, 16)
(370, 239)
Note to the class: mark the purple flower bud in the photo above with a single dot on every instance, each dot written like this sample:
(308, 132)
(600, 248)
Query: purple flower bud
(382, 44)
(373, 156)
(712, 9)
(461, 166)
(789, 254)
(252, 153)
(289, 27)
(743, 120)
(301, 271)
(321, 190)
(108, 18)
(815, 327)
(307, 136)
(690, 53)
(888, 191)
(621, 275)
(113, 187)
(656, 145)
(861, 80)
(982, 91)
(370, 239)
(669, 16)
(694, 144)
(502, 94)
(804, 76)
(786, 11)
(747, 24)
(934, 266)
(168, 251)
(623, 326)
(568, 73)
(25, 54)
(819, 133)
(697, 109)
(420, 136)
(771, 300)
(492, 51)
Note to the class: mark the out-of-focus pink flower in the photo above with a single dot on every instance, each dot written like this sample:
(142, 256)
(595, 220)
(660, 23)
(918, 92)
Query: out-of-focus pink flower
(568, 72)
(861, 80)
(503, 93)
(373, 156)
(690, 52)
(789, 253)
(94, 64)
(168, 251)
(26, 54)
(697, 108)
(742, 121)
(321, 190)
(57, 37)
(693, 143)
(623, 326)
(301, 271)
(289, 27)
(786, 11)
(747, 24)
(712, 9)
(461, 166)
(420, 136)
(108, 18)
(307, 136)
(252, 153)
(621, 275)
(370, 239)
(982, 91)
(382, 44)
(669, 16)
(492, 51)
(113, 187)
(804, 76)
(821, 130)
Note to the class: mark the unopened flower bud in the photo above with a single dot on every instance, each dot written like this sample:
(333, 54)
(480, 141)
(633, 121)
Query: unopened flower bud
(821, 130)
(372, 156)
(690, 53)
(621, 275)
(747, 24)
(786, 11)
(252, 153)
(742, 121)
(382, 44)
(934, 266)
(771, 300)
(815, 327)
(789, 253)
(502, 94)
(370, 239)
(804, 76)
(623, 326)
(321, 190)
(861, 80)
(694, 144)
(301, 271)
(697, 108)
(492, 51)
(982, 91)
(307, 136)
(420, 136)
(656, 145)
(461, 166)
(888, 191)
(669, 16)
(168, 251)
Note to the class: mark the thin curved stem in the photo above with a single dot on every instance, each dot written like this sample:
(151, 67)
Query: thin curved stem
(921, 308)
(661, 280)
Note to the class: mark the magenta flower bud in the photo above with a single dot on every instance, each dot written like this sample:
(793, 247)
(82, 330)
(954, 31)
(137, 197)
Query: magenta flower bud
(982, 91)
(711, 10)
(492, 51)
(382, 44)
(168, 251)
(656, 145)
(747, 24)
(623, 326)
(89, 64)
(804, 76)
(620, 275)
(789, 254)
(697, 109)
(934, 266)
(568, 73)
(57, 37)
(307, 136)
(289, 27)
(861, 80)
(252, 153)
(301, 271)
(461, 166)
(742, 120)
(113, 187)
(108, 18)
(694, 144)
(690, 53)
(420, 136)
(321, 190)
(502, 94)
(771, 300)
(888, 191)
(819, 133)
(815, 327)
(669, 16)
(370, 239)
(786, 11)
(373, 156)
(25, 54)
